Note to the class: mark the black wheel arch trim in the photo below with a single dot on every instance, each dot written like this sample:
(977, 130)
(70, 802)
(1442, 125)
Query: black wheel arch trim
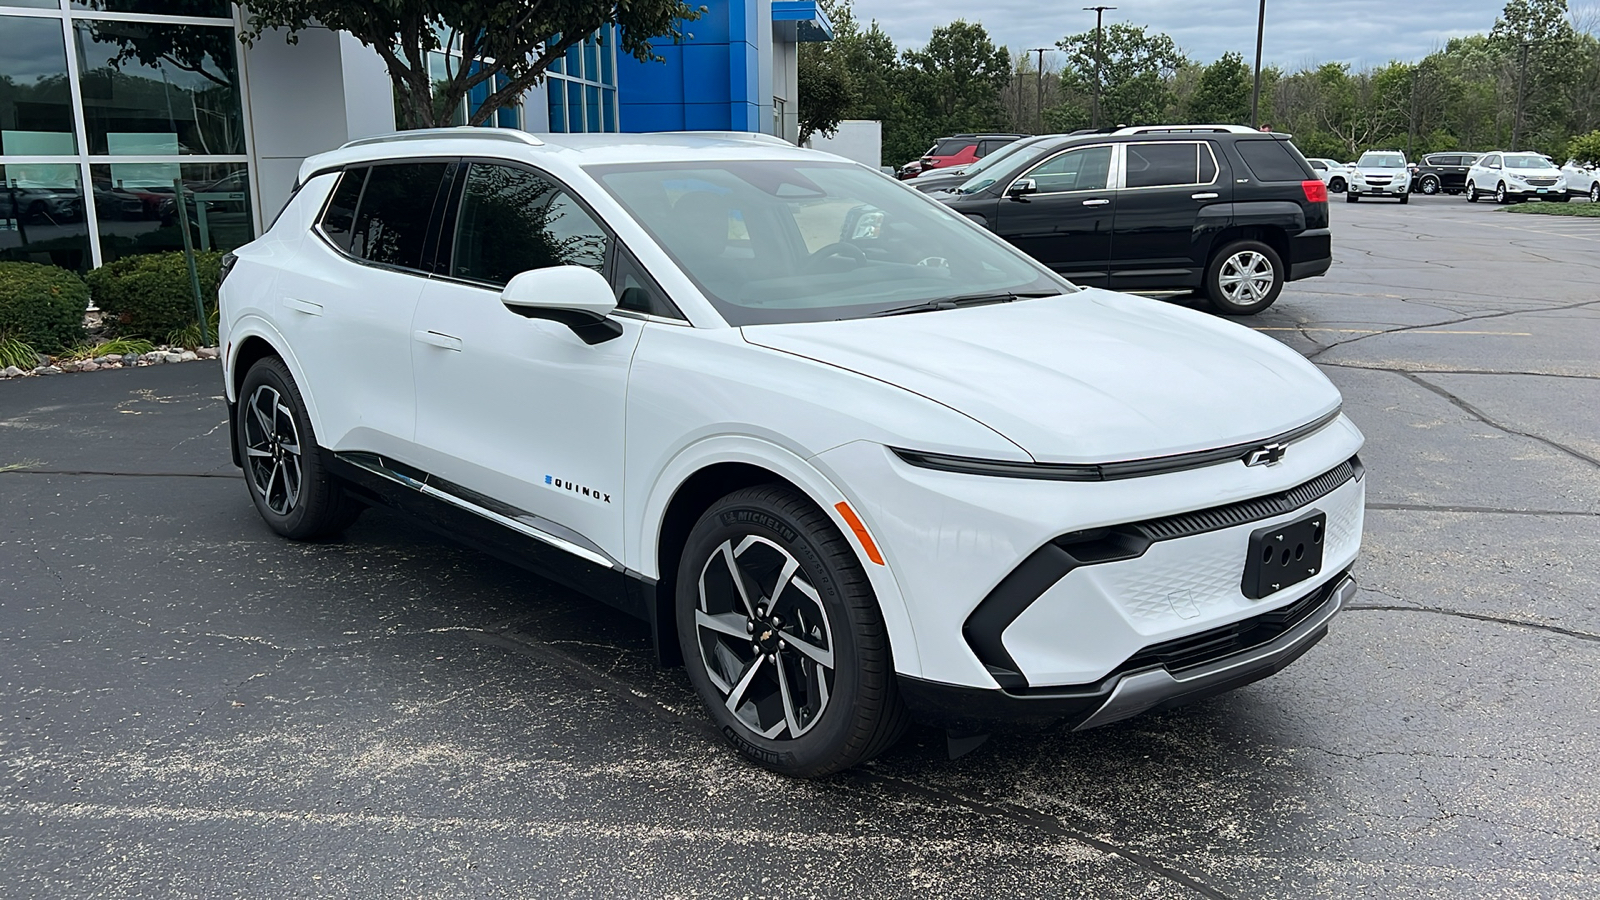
(1025, 584)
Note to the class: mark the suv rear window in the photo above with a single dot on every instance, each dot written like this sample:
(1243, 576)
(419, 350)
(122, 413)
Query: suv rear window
(1273, 160)
(392, 223)
(340, 213)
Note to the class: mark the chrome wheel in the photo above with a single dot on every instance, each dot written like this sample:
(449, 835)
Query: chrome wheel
(272, 450)
(1246, 278)
(1430, 186)
(764, 638)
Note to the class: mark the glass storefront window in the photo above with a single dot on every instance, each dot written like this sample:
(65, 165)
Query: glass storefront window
(35, 98)
(591, 61)
(136, 205)
(217, 9)
(593, 95)
(32, 4)
(42, 216)
(558, 105)
(158, 89)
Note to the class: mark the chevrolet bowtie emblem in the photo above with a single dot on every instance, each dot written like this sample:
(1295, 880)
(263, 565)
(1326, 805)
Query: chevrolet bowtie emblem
(1266, 455)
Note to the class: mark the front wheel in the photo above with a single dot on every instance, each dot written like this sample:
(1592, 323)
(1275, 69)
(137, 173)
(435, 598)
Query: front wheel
(1405, 198)
(1430, 186)
(1472, 192)
(1352, 197)
(1500, 195)
(291, 487)
(1244, 278)
(1594, 192)
(782, 637)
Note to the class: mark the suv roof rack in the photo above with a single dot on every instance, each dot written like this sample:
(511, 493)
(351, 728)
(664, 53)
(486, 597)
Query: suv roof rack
(457, 131)
(741, 136)
(1177, 129)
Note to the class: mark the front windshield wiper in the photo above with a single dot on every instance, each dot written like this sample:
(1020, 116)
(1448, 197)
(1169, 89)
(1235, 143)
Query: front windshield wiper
(962, 301)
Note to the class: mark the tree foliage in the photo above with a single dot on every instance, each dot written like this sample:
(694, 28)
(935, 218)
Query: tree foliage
(1134, 68)
(509, 43)
(1222, 94)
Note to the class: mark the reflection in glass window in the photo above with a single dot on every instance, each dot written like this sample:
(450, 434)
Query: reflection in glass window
(217, 9)
(35, 99)
(558, 105)
(340, 215)
(42, 216)
(392, 221)
(513, 221)
(1075, 170)
(156, 89)
(137, 207)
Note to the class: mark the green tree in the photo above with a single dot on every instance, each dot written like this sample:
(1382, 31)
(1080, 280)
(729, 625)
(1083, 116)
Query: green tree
(826, 91)
(1585, 148)
(1222, 95)
(1134, 69)
(509, 43)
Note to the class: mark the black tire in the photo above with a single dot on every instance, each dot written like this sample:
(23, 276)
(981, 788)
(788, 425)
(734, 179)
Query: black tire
(1430, 185)
(827, 606)
(1472, 192)
(1336, 185)
(1405, 198)
(1500, 195)
(1594, 192)
(1243, 260)
(1352, 198)
(284, 469)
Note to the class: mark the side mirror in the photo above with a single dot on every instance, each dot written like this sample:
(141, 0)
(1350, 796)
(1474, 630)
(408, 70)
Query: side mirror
(1022, 187)
(577, 297)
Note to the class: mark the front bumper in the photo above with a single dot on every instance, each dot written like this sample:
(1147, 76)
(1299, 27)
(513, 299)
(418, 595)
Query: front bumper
(1146, 685)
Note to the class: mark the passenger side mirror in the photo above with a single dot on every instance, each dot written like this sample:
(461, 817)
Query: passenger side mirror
(1022, 187)
(577, 297)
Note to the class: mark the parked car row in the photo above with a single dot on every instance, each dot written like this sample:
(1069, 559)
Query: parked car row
(1451, 173)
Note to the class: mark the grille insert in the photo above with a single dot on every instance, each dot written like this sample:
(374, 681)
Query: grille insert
(1182, 654)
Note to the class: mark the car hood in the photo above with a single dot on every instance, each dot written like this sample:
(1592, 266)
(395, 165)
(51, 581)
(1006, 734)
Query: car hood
(1088, 377)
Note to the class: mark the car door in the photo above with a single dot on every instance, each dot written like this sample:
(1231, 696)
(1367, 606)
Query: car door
(515, 409)
(1484, 173)
(347, 303)
(1065, 221)
(1165, 191)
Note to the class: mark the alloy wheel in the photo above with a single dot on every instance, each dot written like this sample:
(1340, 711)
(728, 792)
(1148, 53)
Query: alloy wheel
(272, 450)
(1472, 192)
(1430, 186)
(764, 638)
(1500, 192)
(1594, 192)
(1246, 278)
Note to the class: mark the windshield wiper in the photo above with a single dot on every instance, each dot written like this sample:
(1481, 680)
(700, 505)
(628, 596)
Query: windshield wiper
(961, 301)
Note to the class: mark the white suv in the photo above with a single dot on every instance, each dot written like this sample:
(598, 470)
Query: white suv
(851, 456)
(1509, 177)
(1380, 173)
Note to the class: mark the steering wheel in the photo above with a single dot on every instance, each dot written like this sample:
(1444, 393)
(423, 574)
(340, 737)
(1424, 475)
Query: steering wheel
(934, 262)
(840, 249)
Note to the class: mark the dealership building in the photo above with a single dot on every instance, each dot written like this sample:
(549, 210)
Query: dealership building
(107, 107)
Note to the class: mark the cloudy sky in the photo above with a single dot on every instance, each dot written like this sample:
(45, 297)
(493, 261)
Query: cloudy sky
(1298, 32)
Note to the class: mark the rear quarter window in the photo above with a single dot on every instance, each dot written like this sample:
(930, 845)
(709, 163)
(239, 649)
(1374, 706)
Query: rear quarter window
(1274, 160)
(950, 148)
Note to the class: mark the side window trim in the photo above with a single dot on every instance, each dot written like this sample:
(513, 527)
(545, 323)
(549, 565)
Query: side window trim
(1113, 170)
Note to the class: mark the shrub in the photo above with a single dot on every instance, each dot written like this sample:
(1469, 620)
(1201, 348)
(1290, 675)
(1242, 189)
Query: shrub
(148, 295)
(42, 305)
(1586, 148)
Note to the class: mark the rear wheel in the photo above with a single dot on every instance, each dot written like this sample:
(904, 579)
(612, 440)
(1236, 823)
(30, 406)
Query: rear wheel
(1244, 278)
(782, 637)
(284, 471)
(1336, 185)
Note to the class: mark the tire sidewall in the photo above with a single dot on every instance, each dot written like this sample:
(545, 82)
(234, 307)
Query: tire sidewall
(1214, 272)
(1430, 186)
(272, 373)
(734, 517)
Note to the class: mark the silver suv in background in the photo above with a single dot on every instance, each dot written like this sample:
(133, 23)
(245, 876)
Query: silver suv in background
(1380, 173)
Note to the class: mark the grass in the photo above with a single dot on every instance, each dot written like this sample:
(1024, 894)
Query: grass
(117, 347)
(16, 352)
(189, 336)
(1586, 210)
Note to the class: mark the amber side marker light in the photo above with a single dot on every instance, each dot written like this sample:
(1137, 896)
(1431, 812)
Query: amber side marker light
(854, 521)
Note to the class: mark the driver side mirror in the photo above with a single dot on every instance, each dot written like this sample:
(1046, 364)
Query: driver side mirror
(1022, 187)
(577, 297)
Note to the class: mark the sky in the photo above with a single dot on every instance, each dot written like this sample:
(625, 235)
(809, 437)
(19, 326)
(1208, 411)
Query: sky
(1298, 32)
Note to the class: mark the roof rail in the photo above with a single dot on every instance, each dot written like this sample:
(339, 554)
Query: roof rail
(741, 135)
(1191, 129)
(458, 131)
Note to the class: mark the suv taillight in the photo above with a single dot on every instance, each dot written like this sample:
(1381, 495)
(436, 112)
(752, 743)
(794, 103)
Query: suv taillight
(1316, 191)
(228, 259)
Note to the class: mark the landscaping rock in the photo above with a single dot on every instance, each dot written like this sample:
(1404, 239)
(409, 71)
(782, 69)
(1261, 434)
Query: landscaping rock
(208, 353)
(68, 366)
(14, 372)
(130, 359)
(188, 356)
(90, 366)
(172, 357)
(154, 357)
(47, 370)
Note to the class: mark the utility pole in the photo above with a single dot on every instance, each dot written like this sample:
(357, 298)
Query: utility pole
(1411, 130)
(1255, 93)
(1099, 58)
(1522, 83)
(1041, 52)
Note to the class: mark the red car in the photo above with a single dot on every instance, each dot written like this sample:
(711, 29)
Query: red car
(962, 150)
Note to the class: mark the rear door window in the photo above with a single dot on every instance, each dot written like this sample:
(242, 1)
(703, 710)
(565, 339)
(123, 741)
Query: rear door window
(1166, 164)
(391, 225)
(1273, 160)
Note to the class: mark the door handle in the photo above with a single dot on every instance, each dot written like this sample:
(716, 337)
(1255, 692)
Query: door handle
(305, 306)
(1208, 195)
(1101, 202)
(436, 339)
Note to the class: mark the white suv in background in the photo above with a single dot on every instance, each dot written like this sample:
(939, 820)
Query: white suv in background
(1380, 173)
(1582, 180)
(1333, 173)
(1509, 176)
(851, 456)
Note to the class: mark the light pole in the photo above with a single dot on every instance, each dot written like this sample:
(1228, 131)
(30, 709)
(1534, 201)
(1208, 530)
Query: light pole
(1255, 93)
(1522, 82)
(1040, 73)
(1099, 62)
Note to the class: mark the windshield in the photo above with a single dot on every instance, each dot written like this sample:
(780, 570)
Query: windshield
(1382, 161)
(1005, 152)
(801, 241)
(1024, 155)
(1527, 161)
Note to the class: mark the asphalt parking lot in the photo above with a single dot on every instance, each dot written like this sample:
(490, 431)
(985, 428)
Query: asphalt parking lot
(191, 707)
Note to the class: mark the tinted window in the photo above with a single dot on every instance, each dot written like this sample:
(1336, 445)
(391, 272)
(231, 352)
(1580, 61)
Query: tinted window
(1271, 161)
(637, 292)
(1076, 170)
(1161, 165)
(950, 148)
(341, 212)
(512, 221)
(35, 101)
(392, 222)
(1318, 164)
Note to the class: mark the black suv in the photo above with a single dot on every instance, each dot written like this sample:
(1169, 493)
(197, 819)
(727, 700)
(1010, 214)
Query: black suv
(1223, 210)
(1442, 172)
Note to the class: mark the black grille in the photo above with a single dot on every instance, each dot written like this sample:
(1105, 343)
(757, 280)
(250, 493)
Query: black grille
(1208, 646)
(1219, 517)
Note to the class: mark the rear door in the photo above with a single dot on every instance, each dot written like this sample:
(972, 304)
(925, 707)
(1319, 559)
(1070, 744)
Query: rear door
(1161, 232)
(1066, 222)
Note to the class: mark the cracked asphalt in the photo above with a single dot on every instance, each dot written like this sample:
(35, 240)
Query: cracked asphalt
(191, 707)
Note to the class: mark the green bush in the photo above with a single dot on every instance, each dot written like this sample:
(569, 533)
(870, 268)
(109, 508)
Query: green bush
(149, 296)
(1585, 148)
(42, 305)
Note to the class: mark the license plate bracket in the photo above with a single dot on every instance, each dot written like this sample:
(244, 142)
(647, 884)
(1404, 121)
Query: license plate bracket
(1284, 554)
